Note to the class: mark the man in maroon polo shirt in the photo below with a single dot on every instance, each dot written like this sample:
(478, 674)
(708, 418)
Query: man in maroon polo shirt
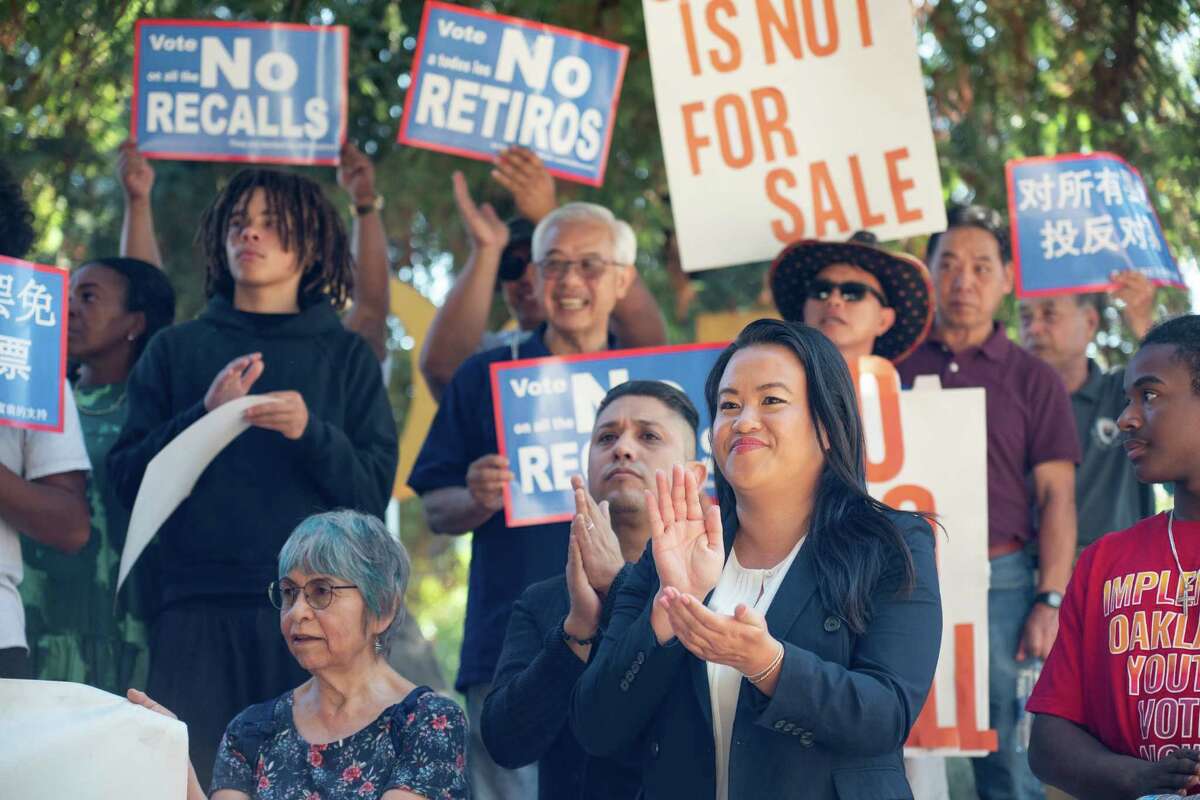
(1032, 453)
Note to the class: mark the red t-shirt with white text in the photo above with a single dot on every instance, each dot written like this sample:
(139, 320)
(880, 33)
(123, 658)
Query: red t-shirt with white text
(1126, 664)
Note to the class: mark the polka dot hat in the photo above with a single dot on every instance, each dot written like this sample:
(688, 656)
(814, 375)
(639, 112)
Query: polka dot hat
(905, 281)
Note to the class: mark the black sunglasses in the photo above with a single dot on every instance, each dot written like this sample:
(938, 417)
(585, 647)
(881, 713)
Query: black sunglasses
(851, 291)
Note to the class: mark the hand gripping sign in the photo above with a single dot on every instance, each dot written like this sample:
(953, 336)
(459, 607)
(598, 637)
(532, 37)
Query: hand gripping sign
(1078, 218)
(239, 91)
(33, 345)
(783, 120)
(545, 409)
(482, 82)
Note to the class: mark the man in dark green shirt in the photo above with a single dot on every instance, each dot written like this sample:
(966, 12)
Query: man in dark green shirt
(1108, 497)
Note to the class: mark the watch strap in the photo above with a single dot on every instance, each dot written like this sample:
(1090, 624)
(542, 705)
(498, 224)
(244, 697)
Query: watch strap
(1052, 599)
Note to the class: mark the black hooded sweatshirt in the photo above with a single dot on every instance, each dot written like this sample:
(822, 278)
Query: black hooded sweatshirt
(224, 539)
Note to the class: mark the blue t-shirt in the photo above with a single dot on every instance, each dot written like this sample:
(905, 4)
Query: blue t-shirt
(504, 561)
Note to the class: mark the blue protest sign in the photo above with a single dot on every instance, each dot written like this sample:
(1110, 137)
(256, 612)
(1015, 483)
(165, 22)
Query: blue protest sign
(33, 344)
(545, 409)
(1078, 218)
(482, 82)
(239, 91)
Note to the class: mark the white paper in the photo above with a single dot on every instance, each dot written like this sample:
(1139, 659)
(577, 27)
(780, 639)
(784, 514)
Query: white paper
(172, 474)
(68, 740)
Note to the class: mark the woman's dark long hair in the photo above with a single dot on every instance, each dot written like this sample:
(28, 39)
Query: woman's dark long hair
(849, 534)
(147, 290)
(307, 223)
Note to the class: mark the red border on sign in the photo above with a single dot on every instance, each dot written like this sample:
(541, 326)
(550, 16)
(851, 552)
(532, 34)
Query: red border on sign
(1010, 166)
(498, 422)
(402, 136)
(61, 275)
(342, 32)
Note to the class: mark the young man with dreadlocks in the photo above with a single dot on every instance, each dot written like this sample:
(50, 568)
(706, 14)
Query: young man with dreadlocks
(279, 266)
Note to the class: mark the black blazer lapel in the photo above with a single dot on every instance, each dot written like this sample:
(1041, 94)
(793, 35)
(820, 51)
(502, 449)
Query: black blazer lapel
(798, 588)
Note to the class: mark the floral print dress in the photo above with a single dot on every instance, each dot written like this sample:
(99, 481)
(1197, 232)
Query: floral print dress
(418, 745)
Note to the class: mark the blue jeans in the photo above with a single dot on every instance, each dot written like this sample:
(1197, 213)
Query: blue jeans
(1005, 774)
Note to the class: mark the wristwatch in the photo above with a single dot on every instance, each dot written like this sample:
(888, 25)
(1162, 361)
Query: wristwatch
(1052, 599)
(366, 208)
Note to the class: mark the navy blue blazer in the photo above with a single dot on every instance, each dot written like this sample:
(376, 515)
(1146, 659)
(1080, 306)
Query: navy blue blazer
(524, 717)
(843, 706)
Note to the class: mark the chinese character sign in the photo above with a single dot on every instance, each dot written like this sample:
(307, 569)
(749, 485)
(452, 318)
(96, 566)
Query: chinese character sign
(240, 91)
(1076, 219)
(545, 409)
(482, 82)
(783, 120)
(33, 344)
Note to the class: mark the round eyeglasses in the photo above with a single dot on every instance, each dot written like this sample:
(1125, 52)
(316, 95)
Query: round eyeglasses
(318, 593)
(590, 267)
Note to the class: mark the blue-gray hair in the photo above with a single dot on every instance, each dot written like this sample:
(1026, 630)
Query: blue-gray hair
(358, 548)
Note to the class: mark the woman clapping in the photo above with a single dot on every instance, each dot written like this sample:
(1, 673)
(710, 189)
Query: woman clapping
(782, 643)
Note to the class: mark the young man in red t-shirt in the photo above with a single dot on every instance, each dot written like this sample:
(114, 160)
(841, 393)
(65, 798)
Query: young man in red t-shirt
(1118, 702)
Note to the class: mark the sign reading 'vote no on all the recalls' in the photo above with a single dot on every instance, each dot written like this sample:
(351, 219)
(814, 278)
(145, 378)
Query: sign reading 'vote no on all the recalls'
(482, 82)
(239, 91)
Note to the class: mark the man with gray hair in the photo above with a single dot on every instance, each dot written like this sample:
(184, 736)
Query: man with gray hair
(500, 261)
(584, 260)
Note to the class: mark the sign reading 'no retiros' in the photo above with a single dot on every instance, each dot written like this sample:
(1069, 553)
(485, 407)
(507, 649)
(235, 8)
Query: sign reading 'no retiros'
(790, 119)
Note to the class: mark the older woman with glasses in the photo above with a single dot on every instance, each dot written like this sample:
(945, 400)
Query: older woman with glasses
(356, 729)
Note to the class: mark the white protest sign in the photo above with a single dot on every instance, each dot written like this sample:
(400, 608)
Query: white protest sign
(172, 474)
(60, 740)
(783, 120)
(913, 464)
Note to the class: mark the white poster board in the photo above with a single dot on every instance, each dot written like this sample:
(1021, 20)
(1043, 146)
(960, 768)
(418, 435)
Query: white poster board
(172, 474)
(68, 740)
(783, 120)
(927, 451)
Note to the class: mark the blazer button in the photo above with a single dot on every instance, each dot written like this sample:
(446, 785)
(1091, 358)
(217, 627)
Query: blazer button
(654, 749)
(641, 658)
(806, 739)
(624, 686)
(788, 728)
(832, 624)
(628, 676)
(635, 668)
(779, 725)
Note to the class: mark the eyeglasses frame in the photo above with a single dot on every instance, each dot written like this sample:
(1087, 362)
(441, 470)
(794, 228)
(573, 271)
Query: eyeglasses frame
(304, 591)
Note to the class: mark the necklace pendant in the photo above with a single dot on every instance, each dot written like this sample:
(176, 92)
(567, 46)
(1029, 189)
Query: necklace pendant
(1188, 596)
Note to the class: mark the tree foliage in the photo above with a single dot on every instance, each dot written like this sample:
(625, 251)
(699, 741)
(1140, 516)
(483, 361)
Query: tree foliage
(1005, 78)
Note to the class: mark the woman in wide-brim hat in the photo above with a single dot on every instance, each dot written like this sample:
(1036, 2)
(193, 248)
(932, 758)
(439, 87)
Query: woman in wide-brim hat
(808, 272)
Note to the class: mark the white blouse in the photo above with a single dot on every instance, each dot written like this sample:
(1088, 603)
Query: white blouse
(756, 588)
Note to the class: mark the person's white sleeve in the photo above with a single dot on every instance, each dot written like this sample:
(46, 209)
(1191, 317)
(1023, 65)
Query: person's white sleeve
(49, 453)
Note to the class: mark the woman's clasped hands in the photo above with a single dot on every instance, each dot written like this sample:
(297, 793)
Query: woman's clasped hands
(689, 554)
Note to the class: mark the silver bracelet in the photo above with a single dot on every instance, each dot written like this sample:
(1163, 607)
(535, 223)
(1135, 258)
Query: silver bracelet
(759, 676)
